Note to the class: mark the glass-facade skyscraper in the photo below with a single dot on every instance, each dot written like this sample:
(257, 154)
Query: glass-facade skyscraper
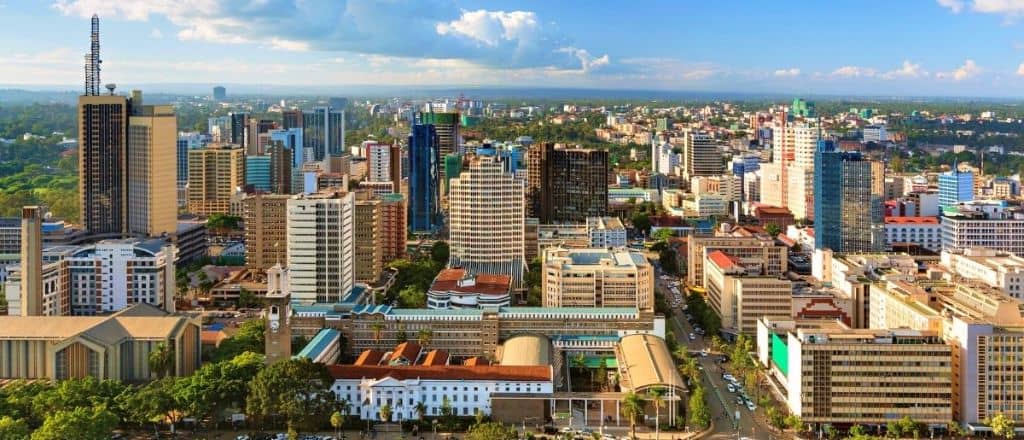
(424, 161)
(848, 211)
(323, 132)
(955, 187)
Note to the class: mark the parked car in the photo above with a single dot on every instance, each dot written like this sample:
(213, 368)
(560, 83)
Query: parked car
(751, 406)
(730, 388)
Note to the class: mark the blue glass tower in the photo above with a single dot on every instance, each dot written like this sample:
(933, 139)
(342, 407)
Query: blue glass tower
(955, 187)
(848, 211)
(424, 195)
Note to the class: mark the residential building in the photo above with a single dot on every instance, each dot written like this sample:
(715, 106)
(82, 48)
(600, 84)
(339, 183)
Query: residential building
(458, 288)
(741, 292)
(774, 257)
(567, 184)
(112, 275)
(848, 212)
(215, 174)
(597, 278)
(368, 225)
(52, 296)
(266, 231)
(379, 163)
(701, 156)
(320, 247)
(424, 166)
(606, 232)
(833, 374)
(924, 232)
(875, 133)
(1002, 270)
(990, 224)
(113, 347)
(955, 186)
(394, 230)
(486, 220)
(800, 191)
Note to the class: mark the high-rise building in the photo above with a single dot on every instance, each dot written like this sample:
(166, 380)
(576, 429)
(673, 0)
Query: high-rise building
(452, 168)
(103, 163)
(701, 157)
(281, 174)
(321, 248)
(111, 275)
(291, 119)
(323, 132)
(990, 224)
(447, 127)
(291, 138)
(187, 141)
(848, 211)
(32, 295)
(219, 128)
(424, 161)
(239, 121)
(368, 262)
(567, 184)
(214, 175)
(257, 172)
(220, 93)
(257, 137)
(803, 108)
(394, 229)
(378, 160)
(152, 192)
(597, 277)
(266, 231)
(955, 186)
(486, 220)
(741, 291)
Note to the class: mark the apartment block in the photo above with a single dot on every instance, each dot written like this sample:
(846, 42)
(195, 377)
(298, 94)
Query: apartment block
(742, 294)
(266, 230)
(762, 250)
(320, 247)
(214, 175)
(368, 225)
(597, 278)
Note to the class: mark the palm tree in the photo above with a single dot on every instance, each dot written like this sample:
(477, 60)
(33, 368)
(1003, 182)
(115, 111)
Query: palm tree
(655, 396)
(378, 328)
(421, 410)
(424, 336)
(337, 420)
(688, 368)
(385, 413)
(161, 359)
(345, 407)
(633, 408)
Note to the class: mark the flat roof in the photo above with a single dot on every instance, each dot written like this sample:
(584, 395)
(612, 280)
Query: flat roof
(541, 373)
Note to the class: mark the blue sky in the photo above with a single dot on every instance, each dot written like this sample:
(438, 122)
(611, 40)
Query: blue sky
(907, 47)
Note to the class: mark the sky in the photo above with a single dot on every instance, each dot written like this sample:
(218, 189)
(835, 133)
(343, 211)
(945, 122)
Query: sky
(843, 47)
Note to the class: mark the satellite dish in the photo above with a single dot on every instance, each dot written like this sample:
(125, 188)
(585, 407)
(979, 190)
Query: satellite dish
(110, 87)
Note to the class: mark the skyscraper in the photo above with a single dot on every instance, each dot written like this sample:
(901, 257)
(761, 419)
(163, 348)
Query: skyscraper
(265, 218)
(368, 261)
(214, 174)
(291, 119)
(323, 132)
(955, 186)
(321, 248)
(447, 127)
(848, 211)
(31, 295)
(567, 184)
(256, 137)
(281, 174)
(378, 160)
(239, 121)
(152, 191)
(487, 212)
(257, 173)
(424, 160)
(220, 93)
(701, 157)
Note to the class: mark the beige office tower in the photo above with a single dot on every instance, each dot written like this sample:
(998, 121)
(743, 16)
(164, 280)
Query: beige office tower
(266, 230)
(597, 277)
(213, 175)
(102, 163)
(152, 147)
(369, 238)
(31, 261)
(487, 209)
(320, 247)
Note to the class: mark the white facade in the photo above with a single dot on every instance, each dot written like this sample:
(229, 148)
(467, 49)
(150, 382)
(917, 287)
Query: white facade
(800, 191)
(606, 232)
(111, 275)
(999, 231)
(321, 247)
(1002, 270)
(875, 133)
(378, 162)
(928, 235)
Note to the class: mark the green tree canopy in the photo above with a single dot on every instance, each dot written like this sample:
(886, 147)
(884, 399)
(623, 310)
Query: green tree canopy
(13, 428)
(700, 414)
(491, 431)
(96, 423)
(293, 388)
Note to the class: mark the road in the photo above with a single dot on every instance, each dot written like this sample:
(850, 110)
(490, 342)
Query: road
(722, 402)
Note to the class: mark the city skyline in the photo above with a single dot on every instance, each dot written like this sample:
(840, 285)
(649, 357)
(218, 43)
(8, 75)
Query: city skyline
(562, 44)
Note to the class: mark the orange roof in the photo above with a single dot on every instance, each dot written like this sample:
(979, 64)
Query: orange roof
(485, 283)
(369, 357)
(443, 372)
(476, 361)
(913, 220)
(211, 337)
(724, 260)
(435, 357)
(771, 210)
(406, 350)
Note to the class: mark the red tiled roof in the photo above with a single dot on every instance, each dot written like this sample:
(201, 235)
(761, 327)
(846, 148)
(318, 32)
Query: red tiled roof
(435, 357)
(476, 361)
(485, 283)
(913, 220)
(771, 210)
(443, 372)
(723, 260)
(406, 350)
(369, 357)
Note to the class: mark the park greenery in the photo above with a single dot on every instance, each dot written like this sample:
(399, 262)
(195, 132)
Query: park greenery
(413, 276)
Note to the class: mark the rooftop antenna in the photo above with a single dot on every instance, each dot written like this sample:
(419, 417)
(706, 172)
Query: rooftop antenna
(92, 60)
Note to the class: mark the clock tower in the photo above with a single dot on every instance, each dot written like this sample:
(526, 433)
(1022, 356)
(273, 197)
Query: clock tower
(278, 334)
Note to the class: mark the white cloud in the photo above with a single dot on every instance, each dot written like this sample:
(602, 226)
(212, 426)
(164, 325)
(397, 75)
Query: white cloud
(969, 70)
(1020, 69)
(290, 45)
(954, 5)
(787, 73)
(854, 72)
(155, 33)
(491, 27)
(907, 70)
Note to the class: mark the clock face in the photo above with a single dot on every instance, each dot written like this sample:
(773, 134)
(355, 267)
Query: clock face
(274, 325)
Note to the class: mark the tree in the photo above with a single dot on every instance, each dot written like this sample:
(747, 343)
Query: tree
(642, 223)
(293, 388)
(439, 252)
(491, 431)
(153, 403)
(633, 408)
(795, 423)
(857, 432)
(421, 410)
(13, 428)
(831, 432)
(1001, 425)
(219, 385)
(775, 417)
(161, 359)
(773, 229)
(412, 297)
(662, 234)
(478, 416)
(345, 407)
(385, 413)
(378, 327)
(700, 414)
(80, 423)
(907, 426)
(337, 421)
(955, 429)
(602, 374)
(656, 399)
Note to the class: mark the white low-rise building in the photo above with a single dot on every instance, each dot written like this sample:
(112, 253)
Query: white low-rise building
(925, 232)
(1002, 270)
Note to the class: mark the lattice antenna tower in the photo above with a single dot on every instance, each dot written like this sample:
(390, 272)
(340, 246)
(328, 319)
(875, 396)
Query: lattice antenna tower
(92, 60)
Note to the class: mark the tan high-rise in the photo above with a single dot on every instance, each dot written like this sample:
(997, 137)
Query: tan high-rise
(152, 146)
(266, 230)
(31, 262)
(213, 175)
(368, 225)
(102, 163)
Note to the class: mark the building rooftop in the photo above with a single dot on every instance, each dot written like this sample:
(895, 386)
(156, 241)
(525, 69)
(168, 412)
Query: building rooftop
(136, 322)
(320, 343)
(646, 363)
(458, 280)
(526, 350)
(724, 261)
(912, 220)
(540, 373)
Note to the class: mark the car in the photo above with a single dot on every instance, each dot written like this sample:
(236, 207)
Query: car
(751, 406)
(703, 354)
(728, 377)
(730, 388)
(566, 430)
(692, 337)
(739, 400)
(607, 437)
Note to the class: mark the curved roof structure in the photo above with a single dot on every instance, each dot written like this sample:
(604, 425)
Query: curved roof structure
(525, 350)
(645, 363)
